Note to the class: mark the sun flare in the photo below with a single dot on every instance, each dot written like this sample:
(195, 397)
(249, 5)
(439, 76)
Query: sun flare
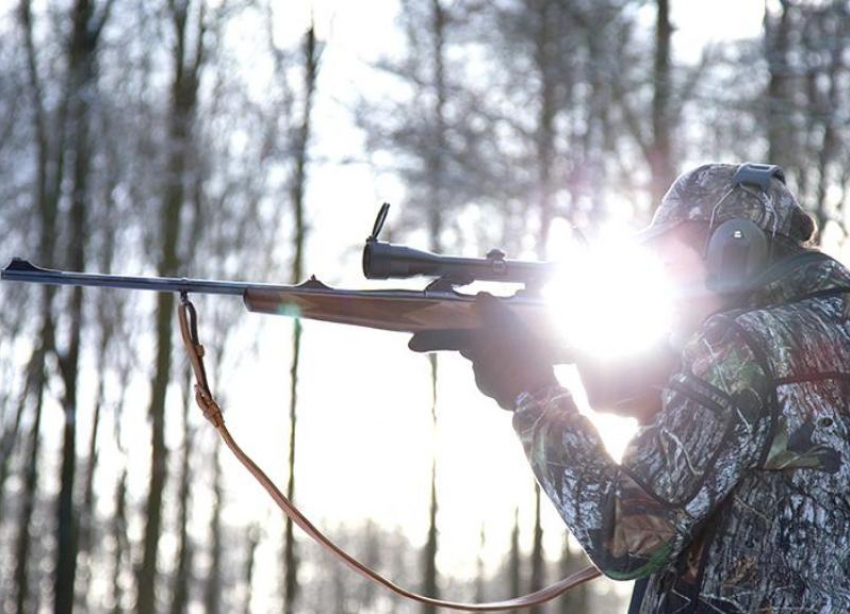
(611, 299)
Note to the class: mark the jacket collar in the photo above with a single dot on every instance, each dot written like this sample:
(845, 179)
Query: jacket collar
(799, 277)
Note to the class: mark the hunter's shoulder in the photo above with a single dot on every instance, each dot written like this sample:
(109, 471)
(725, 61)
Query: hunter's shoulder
(810, 303)
(725, 355)
(802, 337)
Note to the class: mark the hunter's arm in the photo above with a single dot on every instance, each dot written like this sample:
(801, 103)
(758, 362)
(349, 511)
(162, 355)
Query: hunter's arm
(634, 518)
(629, 386)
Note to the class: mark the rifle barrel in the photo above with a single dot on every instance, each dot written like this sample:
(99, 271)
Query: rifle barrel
(23, 270)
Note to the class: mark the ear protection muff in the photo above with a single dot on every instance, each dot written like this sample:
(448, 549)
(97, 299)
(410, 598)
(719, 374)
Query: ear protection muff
(737, 251)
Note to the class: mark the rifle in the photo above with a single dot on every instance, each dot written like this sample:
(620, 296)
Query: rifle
(439, 306)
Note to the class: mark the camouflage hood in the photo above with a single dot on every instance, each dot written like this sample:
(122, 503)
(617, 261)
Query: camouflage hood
(707, 194)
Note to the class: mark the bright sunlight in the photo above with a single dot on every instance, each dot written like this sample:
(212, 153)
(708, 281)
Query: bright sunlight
(611, 299)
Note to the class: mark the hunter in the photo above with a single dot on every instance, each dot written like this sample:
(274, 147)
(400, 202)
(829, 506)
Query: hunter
(734, 495)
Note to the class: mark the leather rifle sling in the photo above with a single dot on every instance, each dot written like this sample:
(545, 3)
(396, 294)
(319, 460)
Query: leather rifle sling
(212, 412)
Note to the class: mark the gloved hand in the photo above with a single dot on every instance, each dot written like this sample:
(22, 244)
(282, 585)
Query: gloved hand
(506, 359)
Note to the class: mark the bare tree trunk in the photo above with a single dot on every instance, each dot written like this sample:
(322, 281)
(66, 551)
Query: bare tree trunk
(776, 40)
(290, 557)
(213, 590)
(109, 314)
(545, 145)
(430, 586)
(828, 110)
(480, 580)
(594, 139)
(185, 551)
(81, 85)
(184, 92)
(118, 526)
(436, 186)
(50, 150)
(29, 494)
(311, 57)
(120, 542)
(538, 563)
(515, 559)
(87, 511)
(7, 444)
(548, 107)
(438, 146)
(252, 538)
(50, 142)
(661, 163)
(656, 143)
(545, 153)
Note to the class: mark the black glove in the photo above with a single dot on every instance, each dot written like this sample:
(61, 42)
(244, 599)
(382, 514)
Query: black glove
(506, 359)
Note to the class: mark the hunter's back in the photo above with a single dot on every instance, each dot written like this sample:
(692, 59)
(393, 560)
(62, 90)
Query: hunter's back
(782, 541)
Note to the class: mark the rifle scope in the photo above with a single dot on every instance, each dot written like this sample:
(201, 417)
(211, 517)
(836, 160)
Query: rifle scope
(388, 261)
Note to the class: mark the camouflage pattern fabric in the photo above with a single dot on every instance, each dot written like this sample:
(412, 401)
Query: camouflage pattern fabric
(736, 498)
(705, 194)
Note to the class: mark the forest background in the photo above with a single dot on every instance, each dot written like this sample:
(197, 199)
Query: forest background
(250, 139)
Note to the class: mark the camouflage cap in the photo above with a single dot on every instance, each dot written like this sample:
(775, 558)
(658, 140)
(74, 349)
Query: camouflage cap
(708, 194)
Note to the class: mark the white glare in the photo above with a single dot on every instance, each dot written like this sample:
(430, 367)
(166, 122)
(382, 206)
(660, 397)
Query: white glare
(610, 300)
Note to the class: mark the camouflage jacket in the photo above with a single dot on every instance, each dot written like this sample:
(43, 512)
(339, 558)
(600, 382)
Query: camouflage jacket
(736, 498)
